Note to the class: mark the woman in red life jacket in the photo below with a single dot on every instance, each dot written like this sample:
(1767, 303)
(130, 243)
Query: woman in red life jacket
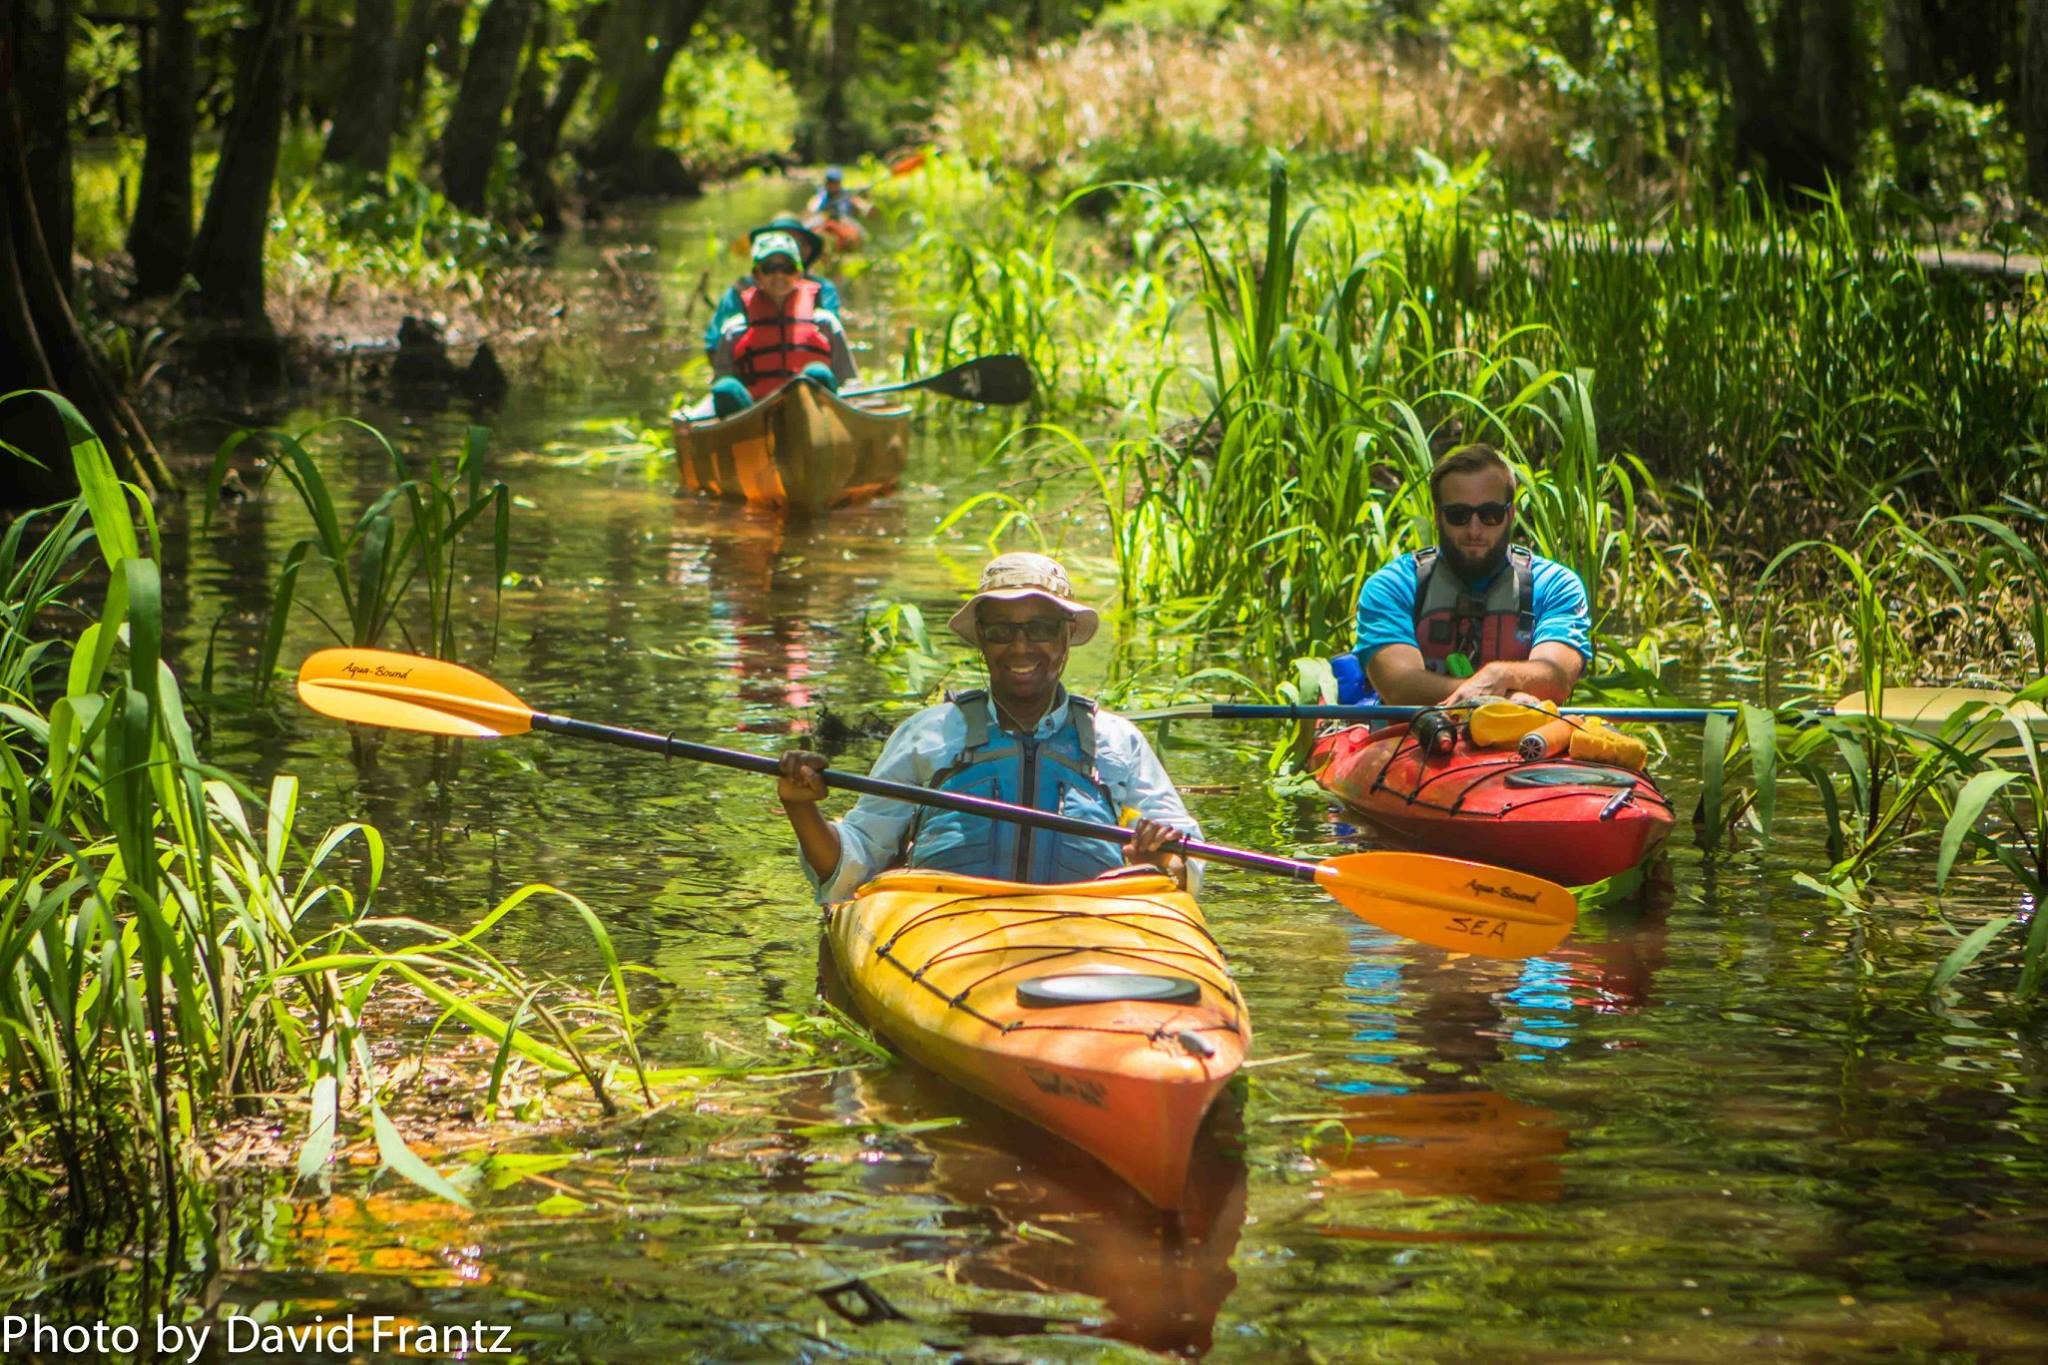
(781, 335)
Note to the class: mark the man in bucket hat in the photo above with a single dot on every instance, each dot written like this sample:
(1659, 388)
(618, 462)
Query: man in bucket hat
(1024, 739)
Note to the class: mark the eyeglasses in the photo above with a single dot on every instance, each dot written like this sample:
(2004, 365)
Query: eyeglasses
(1038, 630)
(1489, 513)
(775, 268)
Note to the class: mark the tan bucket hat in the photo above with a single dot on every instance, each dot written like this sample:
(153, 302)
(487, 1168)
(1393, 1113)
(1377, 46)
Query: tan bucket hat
(1012, 576)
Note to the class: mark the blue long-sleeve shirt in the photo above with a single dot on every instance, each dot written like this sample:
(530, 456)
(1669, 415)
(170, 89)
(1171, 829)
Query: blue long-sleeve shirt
(872, 835)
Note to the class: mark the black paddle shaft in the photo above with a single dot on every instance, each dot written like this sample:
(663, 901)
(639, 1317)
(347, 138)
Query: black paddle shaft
(671, 747)
(997, 379)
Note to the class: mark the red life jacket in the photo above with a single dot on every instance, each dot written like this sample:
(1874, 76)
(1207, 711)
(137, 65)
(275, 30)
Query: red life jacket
(1449, 619)
(779, 341)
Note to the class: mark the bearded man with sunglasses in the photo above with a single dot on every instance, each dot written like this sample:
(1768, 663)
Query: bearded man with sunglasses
(1025, 739)
(1475, 615)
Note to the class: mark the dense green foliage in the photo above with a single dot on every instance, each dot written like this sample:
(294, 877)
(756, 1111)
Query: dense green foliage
(171, 955)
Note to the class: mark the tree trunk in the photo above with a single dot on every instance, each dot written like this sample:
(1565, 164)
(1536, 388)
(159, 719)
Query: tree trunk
(841, 39)
(361, 135)
(2033, 101)
(476, 123)
(784, 49)
(227, 257)
(1790, 153)
(44, 43)
(41, 345)
(533, 133)
(413, 43)
(1828, 99)
(160, 234)
(1908, 62)
(622, 154)
(1678, 24)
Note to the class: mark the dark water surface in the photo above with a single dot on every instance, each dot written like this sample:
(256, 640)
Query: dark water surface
(1730, 1123)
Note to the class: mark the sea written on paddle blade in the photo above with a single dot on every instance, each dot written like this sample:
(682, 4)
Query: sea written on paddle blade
(407, 692)
(1464, 907)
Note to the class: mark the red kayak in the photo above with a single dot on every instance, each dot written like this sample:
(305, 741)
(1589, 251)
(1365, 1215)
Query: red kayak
(1563, 818)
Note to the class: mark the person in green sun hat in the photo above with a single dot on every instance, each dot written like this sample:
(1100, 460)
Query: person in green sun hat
(781, 333)
(813, 246)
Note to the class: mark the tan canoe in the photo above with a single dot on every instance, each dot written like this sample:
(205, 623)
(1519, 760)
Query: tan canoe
(802, 448)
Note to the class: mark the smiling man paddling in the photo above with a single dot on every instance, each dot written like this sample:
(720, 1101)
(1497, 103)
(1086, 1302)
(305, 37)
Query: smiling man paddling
(1475, 615)
(1025, 739)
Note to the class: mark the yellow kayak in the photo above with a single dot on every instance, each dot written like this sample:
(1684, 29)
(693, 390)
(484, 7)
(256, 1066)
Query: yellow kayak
(1101, 1011)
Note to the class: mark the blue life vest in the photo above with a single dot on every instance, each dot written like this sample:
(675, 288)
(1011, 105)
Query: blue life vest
(1056, 773)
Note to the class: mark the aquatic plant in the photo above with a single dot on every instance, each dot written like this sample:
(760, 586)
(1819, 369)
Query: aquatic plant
(378, 563)
(1997, 802)
(171, 956)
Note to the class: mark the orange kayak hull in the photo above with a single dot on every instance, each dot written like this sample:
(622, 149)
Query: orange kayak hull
(843, 233)
(935, 963)
(1571, 821)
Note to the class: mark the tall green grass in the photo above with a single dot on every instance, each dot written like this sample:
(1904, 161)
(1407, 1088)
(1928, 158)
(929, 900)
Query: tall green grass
(1326, 396)
(171, 953)
(1808, 356)
(398, 566)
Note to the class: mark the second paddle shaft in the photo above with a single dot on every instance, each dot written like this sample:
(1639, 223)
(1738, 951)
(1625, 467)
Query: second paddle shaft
(1367, 711)
(923, 796)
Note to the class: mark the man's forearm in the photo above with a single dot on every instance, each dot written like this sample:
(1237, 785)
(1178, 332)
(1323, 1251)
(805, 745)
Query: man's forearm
(816, 836)
(1538, 677)
(1412, 687)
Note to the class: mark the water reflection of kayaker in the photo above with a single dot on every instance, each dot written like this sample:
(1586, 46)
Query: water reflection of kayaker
(1161, 1283)
(1439, 1130)
(1474, 615)
(1028, 1219)
(1026, 739)
(733, 304)
(782, 333)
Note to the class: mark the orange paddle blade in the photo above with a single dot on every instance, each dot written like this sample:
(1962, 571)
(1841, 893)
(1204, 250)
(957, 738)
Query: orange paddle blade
(1465, 907)
(407, 692)
(905, 165)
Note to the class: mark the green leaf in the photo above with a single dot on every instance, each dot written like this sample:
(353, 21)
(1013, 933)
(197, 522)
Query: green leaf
(401, 1159)
(1967, 951)
(326, 1113)
(560, 1206)
(1970, 803)
(1713, 775)
(1761, 726)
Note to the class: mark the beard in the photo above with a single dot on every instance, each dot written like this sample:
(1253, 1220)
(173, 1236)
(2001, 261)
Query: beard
(1473, 570)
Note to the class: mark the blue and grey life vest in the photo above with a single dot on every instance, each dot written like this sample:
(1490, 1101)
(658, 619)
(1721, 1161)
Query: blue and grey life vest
(1056, 773)
(1495, 628)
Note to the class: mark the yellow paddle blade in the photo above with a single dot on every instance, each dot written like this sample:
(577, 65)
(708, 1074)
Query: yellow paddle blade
(1928, 708)
(1465, 907)
(407, 692)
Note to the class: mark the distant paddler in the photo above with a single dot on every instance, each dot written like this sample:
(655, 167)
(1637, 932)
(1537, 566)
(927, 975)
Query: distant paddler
(1474, 615)
(731, 304)
(834, 203)
(782, 332)
(1024, 739)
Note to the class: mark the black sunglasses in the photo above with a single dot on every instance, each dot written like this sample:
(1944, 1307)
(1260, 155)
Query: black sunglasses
(776, 268)
(1489, 513)
(1039, 630)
